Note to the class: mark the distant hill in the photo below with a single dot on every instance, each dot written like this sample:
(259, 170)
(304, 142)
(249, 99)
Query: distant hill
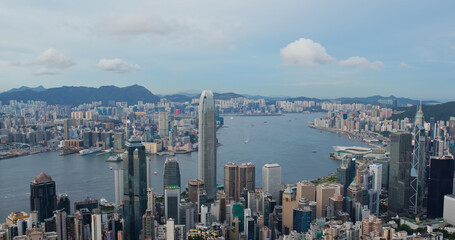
(441, 111)
(226, 96)
(378, 100)
(40, 88)
(78, 95)
(178, 98)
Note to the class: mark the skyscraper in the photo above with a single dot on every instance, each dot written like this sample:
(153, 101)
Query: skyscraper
(118, 185)
(171, 176)
(400, 167)
(230, 176)
(134, 188)
(271, 179)
(418, 165)
(163, 123)
(247, 177)
(207, 143)
(43, 197)
(440, 183)
(171, 202)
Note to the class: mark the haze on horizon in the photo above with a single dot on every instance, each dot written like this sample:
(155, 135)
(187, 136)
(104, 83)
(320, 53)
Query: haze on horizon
(323, 49)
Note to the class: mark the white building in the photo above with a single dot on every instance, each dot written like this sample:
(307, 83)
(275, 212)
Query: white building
(271, 179)
(449, 209)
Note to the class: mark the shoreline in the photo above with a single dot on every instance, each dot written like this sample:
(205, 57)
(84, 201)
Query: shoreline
(26, 154)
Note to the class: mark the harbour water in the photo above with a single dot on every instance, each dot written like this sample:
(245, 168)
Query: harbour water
(301, 151)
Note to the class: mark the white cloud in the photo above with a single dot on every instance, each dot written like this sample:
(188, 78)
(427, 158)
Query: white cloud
(362, 63)
(53, 59)
(117, 65)
(219, 39)
(137, 24)
(44, 71)
(405, 65)
(305, 52)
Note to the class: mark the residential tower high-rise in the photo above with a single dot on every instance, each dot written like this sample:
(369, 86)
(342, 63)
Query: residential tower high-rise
(207, 143)
(134, 188)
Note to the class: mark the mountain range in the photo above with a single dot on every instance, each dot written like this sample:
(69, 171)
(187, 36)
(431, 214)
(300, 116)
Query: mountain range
(72, 95)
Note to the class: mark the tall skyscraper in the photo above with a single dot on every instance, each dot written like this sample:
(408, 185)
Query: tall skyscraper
(418, 165)
(271, 179)
(63, 203)
(440, 183)
(43, 197)
(118, 186)
(247, 177)
(171, 202)
(97, 232)
(134, 188)
(163, 123)
(237, 178)
(60, 217)
(230, 176)
(207, 143)
(66, 129)
(346, 172)
(171, 176)
(399, 177)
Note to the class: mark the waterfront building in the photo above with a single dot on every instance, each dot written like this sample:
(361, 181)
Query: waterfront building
(237, 178)
(440, 183)
(134, 188)
(171, 202)
(230, 177)
(247, 177)
(346, 172)
(87, 203)
(400, 166)
(306, 189)
(119, 140)
(207, 143)
(171, 176)
(43, 196)
(66, 129)
(271, 179)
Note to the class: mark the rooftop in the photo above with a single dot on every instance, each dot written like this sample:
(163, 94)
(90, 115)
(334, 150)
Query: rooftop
(42, 178)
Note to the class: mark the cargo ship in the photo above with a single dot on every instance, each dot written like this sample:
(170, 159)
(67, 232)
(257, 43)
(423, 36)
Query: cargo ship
(89, 151)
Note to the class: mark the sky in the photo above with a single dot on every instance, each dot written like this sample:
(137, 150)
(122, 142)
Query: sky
(321, 49)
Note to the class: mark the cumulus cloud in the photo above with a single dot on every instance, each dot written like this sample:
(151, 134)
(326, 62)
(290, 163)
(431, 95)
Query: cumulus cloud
(405, 65)
(53, 59)
(219, 39)
(44, 71)
(305, 52)
(362, 63)
(117, 65)
(137, 24)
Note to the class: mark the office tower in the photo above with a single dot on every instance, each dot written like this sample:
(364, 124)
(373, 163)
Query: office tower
(171, 202)
(96, 227)
(346, 172)
(96, 137)
(237, 212)
(148, 225)
(170, 229)
(119, 140)
(323, 193)
(150, 199)
(306, 189)
(289, 203)
(271, 179)
(204, 213)
(87, 138)
(163, 123)
(230, 177)
(418, 165)
(194, 187)
(374, 187)
(207, 143)
(134, 188)
(302, 216)
(118, 186)
(247, 177)
(440, 183)
(60, 217)
(400, 167)
(63, 203)
(66, 129)
(187, 216)
(250, 225)
(171, 176)
(355, 191)
(88, 203)
(449, 209)
(43, 197)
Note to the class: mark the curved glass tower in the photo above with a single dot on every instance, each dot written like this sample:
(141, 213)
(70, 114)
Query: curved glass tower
(207, 143)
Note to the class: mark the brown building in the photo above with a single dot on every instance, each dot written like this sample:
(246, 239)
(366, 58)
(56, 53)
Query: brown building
(289, 203)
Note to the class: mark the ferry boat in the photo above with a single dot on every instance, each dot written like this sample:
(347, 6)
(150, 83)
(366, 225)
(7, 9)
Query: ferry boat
(89, 151)
(116, 158)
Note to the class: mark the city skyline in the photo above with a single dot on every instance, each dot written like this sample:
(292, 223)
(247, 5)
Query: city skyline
(355, 49)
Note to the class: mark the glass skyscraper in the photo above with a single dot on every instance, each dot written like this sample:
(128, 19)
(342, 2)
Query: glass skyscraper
(134, 188)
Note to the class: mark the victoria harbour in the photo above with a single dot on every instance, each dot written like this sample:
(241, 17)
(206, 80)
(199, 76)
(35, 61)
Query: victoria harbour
(285, 139)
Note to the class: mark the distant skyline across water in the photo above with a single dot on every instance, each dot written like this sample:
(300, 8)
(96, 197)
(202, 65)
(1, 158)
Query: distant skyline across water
(293, 48)
(286, 140)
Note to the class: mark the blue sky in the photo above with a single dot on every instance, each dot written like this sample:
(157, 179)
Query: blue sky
(293, 48)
